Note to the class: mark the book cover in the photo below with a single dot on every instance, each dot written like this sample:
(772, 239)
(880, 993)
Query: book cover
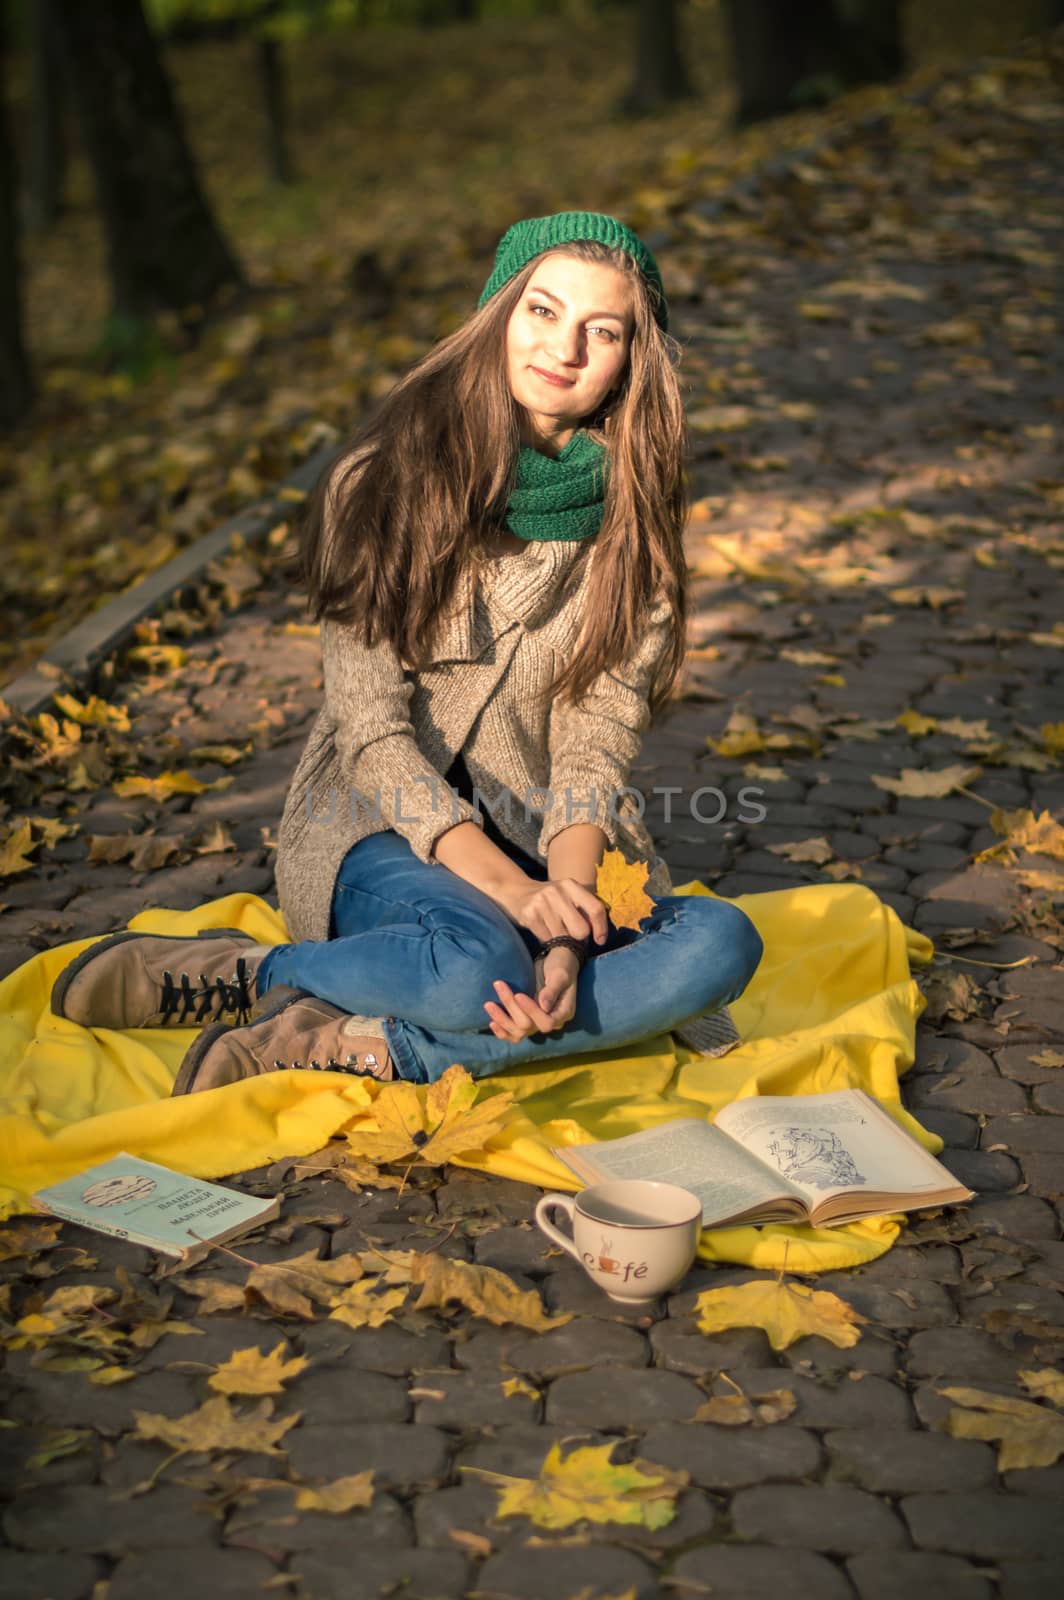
(149, 1204)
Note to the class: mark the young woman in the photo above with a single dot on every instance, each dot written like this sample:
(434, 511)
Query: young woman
(496, 561)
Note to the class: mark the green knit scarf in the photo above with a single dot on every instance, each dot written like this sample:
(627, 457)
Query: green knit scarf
(559, 497)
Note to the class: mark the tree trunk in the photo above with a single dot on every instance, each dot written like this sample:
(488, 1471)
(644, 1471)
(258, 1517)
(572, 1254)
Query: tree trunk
(165, 249)
(47, 164)
(272, 76)
(16, 385)
(786, 54)
(660, 76)
(872, 43)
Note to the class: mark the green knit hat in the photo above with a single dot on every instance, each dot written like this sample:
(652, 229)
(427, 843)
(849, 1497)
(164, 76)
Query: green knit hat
(534, 235)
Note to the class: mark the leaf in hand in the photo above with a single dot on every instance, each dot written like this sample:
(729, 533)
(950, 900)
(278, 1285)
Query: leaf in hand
(786, 1311)
(435, 1124)
(251, 1372)
(587, 1486)
(620, 885)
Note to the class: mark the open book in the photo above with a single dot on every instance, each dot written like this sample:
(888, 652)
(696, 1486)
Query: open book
(148, 1204)
(819, 1158)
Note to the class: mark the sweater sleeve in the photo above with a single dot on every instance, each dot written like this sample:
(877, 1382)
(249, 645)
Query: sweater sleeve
(367, 695)
(593, 743)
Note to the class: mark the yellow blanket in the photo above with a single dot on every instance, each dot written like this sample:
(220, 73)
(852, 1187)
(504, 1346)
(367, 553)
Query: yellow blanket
(832, 1006)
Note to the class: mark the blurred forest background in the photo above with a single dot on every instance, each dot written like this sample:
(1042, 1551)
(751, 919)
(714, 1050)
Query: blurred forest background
(226, 226)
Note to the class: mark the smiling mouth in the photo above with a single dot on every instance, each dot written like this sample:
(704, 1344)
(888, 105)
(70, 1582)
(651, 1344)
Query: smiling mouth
(550, 377)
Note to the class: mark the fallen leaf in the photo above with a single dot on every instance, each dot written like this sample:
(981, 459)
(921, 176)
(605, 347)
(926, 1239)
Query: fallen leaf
(433, 1124)
(1027, 1435)
(162, 787)
(15, 847)
(251, 1372)
(915, 724)
(1045, 1384)
(363, 1305)
(735, 1410)
(475, 1543)
(108, 1375)
(93, 712)
(485, 1291)
(786, 1311)
(291, 1286)
(216, 1426)
(1049, 1058)
(927, 785)
(817, 850)
(587, 1486)
(18, 1239)
(619, 884)
(343, 1494)
(514, 1386)
(931, 595)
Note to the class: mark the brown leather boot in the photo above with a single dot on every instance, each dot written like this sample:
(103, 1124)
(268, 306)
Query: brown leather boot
(146, 980)
(292, 1029)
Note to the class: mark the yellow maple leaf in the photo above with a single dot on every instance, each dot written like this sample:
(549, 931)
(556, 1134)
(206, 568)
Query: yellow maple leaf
(1045, 1384)
(216, 1426)
(786, 1311)
(168, 656)
(290, 1286)
(15, 847)
(363, 1305)
(110, 1374)
(165, 785)
(927, 785)
(915, 724)
(343, 1494)
(513, 1386)
(619, 884)
(586, 1486)
(433, 1124)
(1052, 734)
(741, 737)
(485, 1291)
(934, 595)
(23, 1238)
(94, 712)
(815, 850)
(1049, 1058)
(251, 1372)
(1022, 830)
(1027, 1434)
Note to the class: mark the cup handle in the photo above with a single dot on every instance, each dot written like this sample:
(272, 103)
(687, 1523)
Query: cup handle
(557, 1202)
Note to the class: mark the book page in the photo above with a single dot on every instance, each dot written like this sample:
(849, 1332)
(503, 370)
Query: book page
(692, 1154)
(837, 1143)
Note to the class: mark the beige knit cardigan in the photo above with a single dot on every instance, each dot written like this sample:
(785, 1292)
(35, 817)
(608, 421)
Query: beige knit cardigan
(385, 735)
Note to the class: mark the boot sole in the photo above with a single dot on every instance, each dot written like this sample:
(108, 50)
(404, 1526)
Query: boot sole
(78, 965)
(188, 1071)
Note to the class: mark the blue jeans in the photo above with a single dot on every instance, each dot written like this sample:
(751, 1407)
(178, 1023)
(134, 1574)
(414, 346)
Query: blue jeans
(418, 946)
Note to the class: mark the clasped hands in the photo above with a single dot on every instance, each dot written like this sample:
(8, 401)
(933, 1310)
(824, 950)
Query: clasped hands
(560, 906)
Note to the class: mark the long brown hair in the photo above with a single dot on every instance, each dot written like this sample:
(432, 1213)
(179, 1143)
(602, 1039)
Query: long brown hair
(420, 489)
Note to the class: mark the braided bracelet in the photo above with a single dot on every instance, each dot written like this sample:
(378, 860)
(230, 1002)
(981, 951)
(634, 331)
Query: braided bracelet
(566, 941)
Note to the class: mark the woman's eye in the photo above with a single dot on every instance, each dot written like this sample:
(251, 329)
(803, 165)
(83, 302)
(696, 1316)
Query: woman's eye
(608, 332)
(545, 309)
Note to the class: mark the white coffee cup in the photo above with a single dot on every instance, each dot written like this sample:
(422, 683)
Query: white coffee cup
(635, 1238)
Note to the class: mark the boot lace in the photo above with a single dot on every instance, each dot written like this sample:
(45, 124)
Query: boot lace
(369, 1065)
(214, 997)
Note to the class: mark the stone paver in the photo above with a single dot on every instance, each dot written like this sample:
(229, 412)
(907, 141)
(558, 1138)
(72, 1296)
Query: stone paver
(900, 436)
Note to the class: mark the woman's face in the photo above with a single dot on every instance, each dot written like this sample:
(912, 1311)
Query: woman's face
(567, 343)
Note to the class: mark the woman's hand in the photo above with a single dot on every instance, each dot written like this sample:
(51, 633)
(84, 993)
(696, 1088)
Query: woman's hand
(514, 1016)
(560, 905)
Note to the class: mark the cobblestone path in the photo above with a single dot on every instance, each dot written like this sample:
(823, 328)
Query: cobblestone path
(873, 363)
